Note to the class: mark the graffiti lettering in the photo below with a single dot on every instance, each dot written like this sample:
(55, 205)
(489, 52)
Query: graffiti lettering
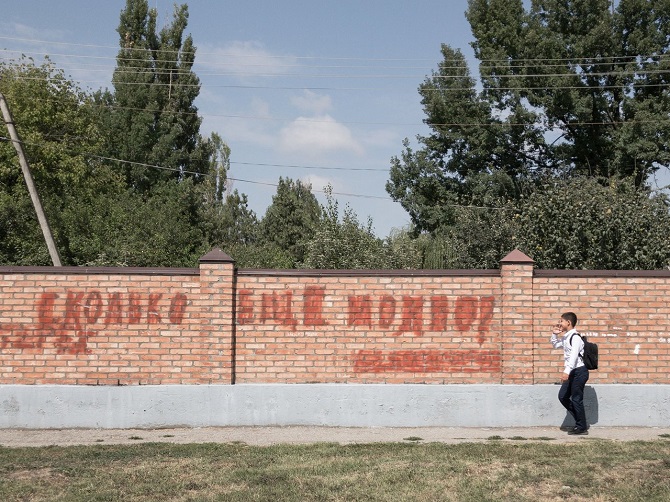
(313, 307)
(412, 315)
(278, 307)
(386, 311)
(112, 309)
(245, 307)
(177, 309)
(439, 313)
(407, 314)
(360, 311)
(427, 361)
(66, 324)
(17, 336)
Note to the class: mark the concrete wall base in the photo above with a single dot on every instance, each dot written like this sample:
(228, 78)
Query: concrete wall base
(335, 405)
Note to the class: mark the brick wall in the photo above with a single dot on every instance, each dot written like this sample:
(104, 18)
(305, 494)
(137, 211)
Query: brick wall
(626, 312)
(120, 326)
(390, 328)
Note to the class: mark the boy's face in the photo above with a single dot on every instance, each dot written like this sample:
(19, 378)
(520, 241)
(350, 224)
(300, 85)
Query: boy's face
(565, 324)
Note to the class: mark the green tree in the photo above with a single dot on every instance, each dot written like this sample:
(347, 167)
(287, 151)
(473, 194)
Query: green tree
(344, 243)
(58, 134)
(95, 218)
(142, 230)
(595, 79)
(291, 220)
(568, 88)
(581, 224)
(403, 251)
(235, 223)
(151, 121)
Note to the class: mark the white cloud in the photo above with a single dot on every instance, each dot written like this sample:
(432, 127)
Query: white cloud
(318, 183)
(32, 34)
(243, 59)
(312, 102)
(251, 124)
(318, 135)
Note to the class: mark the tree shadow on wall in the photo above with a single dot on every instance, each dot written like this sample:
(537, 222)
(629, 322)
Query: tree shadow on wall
(590, 406)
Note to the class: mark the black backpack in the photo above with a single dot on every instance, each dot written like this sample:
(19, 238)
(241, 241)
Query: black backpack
(590, 356)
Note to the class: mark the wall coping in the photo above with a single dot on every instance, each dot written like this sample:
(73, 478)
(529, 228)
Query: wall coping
(368, 273)
(216, 255)
(164, 271)
(49, 270)
(602, 273)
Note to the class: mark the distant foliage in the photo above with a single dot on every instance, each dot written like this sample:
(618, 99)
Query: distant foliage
(581, 224)
(343, 243)
(566, 90)
(548, 153)
(291, 220)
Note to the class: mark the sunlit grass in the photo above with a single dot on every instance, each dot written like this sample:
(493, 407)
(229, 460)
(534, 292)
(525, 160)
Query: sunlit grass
(495, 470)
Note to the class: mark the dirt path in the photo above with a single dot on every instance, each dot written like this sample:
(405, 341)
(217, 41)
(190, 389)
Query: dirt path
(262, 436)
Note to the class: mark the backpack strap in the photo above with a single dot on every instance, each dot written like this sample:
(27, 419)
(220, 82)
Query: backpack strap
(581, 352)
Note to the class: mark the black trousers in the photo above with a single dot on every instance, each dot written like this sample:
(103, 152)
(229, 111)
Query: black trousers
(571, 395)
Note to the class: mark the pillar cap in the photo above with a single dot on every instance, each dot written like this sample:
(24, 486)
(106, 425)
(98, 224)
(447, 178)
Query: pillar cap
(216, 256)
(517, 257)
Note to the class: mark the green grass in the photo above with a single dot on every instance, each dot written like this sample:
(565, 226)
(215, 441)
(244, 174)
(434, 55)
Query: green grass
(489, 471)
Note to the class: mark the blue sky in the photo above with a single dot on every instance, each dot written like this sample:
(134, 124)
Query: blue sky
(322, 91)
(318, 90)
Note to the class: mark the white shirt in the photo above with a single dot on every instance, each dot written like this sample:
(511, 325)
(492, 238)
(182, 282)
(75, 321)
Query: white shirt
(571, 353)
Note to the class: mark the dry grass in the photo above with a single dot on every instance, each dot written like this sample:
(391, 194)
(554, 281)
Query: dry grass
(493, 471)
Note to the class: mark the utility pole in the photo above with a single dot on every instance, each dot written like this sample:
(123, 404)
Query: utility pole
(53, 252)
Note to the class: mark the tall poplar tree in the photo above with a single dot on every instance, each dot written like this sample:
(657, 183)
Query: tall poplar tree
(152, 122)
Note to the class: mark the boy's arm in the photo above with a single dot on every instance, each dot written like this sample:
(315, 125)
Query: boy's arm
(556, 342)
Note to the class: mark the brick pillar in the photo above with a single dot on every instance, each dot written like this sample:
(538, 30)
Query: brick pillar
(517, 318)
(217, 303)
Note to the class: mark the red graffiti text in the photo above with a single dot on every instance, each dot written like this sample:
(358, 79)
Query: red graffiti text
(404, 314)
(427, 361)
(65, 323)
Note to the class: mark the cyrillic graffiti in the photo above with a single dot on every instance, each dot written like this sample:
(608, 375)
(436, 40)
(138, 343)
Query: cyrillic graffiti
(427, 361)
(278, 307)
(406, 314)
(20, 336)
(65, 324)
(109, 309)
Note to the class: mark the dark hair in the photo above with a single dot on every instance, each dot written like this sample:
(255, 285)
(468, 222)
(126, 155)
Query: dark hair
(571, 317)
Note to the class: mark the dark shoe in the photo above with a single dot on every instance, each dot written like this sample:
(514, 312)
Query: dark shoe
(566, 428)
(578, 432)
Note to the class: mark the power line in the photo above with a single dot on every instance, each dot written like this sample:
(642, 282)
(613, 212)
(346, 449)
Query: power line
(142, 164)
(274, 185)
(207, 175)
(629, 86)
(589, 60)
(491, 124)
(545, 62)
(631, 72)
(310, 167)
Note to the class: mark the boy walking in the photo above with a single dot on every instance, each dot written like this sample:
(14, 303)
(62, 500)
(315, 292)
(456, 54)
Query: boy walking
(575, 374)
